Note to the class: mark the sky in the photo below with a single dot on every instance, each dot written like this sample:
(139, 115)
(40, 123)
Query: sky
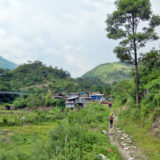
(68, 34)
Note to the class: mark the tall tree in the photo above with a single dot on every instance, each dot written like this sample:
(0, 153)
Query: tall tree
(126, 23)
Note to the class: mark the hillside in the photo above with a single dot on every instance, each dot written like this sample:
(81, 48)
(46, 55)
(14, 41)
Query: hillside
(33, 74)
(110, 72)
(3, 71)
(7, 64)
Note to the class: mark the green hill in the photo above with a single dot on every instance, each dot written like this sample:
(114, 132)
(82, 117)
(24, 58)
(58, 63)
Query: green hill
(33, 74)
(110, 72)
(7, 64)
(36, 75)
(3, 71)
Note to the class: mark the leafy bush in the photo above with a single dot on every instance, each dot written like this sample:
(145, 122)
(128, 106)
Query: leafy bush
(75, 142)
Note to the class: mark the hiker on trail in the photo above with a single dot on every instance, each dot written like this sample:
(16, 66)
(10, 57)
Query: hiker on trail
(111, 120)
(110, 104)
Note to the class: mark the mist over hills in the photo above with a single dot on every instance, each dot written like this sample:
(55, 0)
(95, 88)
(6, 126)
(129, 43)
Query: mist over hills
(7, 64)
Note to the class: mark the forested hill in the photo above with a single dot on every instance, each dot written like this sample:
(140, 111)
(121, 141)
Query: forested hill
(34, 73)
(37, 75)
(110, 72)
(3, 71)
(7, 64)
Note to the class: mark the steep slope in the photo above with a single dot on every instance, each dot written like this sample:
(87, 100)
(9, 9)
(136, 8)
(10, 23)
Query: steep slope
(7, 64)
(110, 72)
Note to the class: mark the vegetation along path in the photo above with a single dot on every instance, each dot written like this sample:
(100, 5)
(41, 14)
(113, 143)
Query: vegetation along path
(123, 142)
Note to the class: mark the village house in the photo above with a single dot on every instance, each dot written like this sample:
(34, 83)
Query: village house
(97, 96)
(81, 99)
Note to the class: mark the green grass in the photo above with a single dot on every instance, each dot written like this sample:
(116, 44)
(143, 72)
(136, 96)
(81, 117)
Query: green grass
(141, 134)
(22, 138)
(76, 134)
(110, 72)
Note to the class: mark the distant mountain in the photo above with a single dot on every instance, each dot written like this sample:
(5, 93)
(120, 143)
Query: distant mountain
(110, 72)
(7, 64)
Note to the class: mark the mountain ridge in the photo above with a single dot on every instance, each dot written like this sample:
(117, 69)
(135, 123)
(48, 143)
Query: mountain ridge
(5, 64)
(110, 72)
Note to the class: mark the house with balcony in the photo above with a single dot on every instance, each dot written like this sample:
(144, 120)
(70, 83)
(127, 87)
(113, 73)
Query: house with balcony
(80, 99)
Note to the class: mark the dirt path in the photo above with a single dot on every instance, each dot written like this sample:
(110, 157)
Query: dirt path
(123, 142)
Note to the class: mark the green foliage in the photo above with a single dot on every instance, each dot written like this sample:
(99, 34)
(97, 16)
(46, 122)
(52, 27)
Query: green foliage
(34, 117)
(124, 91)
(110, 72)
(34, 73)
(150, 79)
(150, 65)
(34, 101)
(20, 102)
(90, 84)
(3, 71)
(75, 138)
(76, 135)
(124, 23)
(138, 122)
(55, 102)
(75, 142)
(5, 86)
(37, 79)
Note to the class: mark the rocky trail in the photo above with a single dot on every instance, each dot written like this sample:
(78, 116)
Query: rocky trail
(123, 142)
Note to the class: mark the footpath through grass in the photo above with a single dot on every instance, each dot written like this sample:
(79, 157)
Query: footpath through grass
(130, 120)
(56, 134)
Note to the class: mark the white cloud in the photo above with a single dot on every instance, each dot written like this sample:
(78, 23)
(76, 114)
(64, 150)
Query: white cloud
(68, 34)
(51, 51)
(77, 64)
(67, 47)
(2, 33)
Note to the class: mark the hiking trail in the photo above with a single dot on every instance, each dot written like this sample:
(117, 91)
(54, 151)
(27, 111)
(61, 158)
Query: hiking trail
(123, 142)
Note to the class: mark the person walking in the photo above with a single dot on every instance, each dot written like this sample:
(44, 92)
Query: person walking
(111, 120)
(110, 104)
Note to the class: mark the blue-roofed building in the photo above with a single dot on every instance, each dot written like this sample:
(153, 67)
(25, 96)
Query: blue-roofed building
(97, 97)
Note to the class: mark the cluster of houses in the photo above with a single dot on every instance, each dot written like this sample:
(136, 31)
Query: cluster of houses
(81, 99)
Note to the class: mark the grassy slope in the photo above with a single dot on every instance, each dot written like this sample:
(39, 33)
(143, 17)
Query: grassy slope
(141, 134)
(110, 72)
(18, 136)
(20, 139)
(23, 136)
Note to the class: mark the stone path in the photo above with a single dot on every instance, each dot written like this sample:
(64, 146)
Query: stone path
(124, 144)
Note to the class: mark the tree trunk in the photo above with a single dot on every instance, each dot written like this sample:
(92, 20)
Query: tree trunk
(137, 84)
(135, 60)
(137, 75)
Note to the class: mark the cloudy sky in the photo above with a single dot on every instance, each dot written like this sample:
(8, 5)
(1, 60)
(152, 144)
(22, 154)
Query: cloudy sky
(68, 34)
